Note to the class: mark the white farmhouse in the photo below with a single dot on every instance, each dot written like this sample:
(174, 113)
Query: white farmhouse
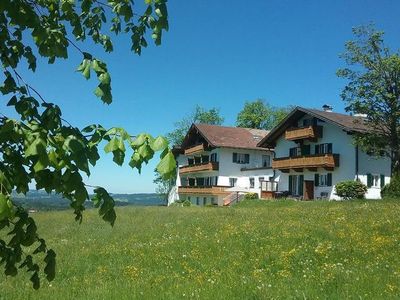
(216, 163)
(314, 150)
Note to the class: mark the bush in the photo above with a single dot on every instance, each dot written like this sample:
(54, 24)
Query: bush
(251, 196)
(186, 203)
(351, 189)
(392, 189)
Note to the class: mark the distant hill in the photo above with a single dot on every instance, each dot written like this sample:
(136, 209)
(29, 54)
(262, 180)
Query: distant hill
(40, 200)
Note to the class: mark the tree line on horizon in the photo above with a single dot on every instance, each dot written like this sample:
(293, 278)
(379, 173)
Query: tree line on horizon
(257, 114)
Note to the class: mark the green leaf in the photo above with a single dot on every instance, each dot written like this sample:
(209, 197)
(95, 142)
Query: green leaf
(112, 145)
(50, 268)
(139, 140)
(86, 71)
(37, 147)
(160, 143)
(6, 207)
(167, 164)
(118, 157)
(105, 78)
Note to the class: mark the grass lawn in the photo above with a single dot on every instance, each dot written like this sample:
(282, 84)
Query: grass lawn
(258, 249)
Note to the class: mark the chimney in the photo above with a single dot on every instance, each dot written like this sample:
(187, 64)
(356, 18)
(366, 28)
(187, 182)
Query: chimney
(327, 108)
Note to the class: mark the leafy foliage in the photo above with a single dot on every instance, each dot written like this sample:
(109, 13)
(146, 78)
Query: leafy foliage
(260, 115)
(199, 115)
(40, 147)
(374, 90)
(250, 196)
(392, 189)
(350, 189)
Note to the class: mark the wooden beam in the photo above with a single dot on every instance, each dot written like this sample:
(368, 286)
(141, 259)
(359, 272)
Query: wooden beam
(312, 169)
(299, 170)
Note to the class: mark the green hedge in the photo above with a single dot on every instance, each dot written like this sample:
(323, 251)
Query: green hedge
(351, 189)
(392, 190)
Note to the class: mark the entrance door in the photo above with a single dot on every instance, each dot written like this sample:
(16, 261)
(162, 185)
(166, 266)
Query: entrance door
(308, 189)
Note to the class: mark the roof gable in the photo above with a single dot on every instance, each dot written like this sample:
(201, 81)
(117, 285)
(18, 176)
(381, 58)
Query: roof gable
(346, 122)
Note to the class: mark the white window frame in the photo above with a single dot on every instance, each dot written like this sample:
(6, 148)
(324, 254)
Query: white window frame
(241, 158)
(232, 181)
(266, 161)
(376, 180)
(252, 182)
(323, 180)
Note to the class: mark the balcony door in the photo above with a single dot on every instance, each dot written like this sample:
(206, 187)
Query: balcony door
(296, 183)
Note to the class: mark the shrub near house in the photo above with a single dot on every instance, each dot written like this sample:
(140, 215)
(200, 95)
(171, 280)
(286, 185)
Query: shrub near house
(351, 190)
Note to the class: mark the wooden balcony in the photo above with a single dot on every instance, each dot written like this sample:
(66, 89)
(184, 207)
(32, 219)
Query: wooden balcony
(209, 166)
(312, 162)
(309, 132)
(203, 190)
(195, 150)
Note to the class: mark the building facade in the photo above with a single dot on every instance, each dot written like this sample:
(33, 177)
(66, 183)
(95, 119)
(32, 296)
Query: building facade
(314, 150)
(216, 162)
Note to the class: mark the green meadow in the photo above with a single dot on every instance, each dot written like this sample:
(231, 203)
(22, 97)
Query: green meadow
(255, 250)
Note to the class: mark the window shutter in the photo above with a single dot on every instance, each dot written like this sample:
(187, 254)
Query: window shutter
(247, 158)
(382, 180)
(329, 183)
(291, 152)
(290, 184)
(330, 148)
(316, 149)
(316, 179)
(369, 180)
(234, 157)
(301, 183)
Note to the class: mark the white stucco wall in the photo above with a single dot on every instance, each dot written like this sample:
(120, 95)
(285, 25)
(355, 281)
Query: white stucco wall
(342, 144)
(228, 169)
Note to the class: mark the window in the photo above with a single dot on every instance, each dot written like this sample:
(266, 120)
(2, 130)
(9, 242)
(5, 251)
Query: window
(298, 151)
(190, 161)
(266, 161)
(232, 182)
(251, 182)
(241, 158)
(205, 158)
(197, 160)
(323, 179)
(200, 181)
(375, 180)
(323, 148)
(296, 185)
(213, 157)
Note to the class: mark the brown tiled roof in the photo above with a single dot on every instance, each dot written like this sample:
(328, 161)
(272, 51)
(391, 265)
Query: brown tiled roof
(350, 123)
(346, 122)
(230, 137)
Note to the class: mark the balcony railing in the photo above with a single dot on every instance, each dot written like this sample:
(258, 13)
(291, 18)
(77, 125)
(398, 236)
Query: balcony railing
(204, 190)
(209, 166)
(328, 161)
(309, 132)
(195, 149)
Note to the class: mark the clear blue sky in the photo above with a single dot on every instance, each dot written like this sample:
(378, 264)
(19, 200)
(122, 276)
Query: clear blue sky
(217, 53)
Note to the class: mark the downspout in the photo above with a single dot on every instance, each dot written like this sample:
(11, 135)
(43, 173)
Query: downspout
(356, 170)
